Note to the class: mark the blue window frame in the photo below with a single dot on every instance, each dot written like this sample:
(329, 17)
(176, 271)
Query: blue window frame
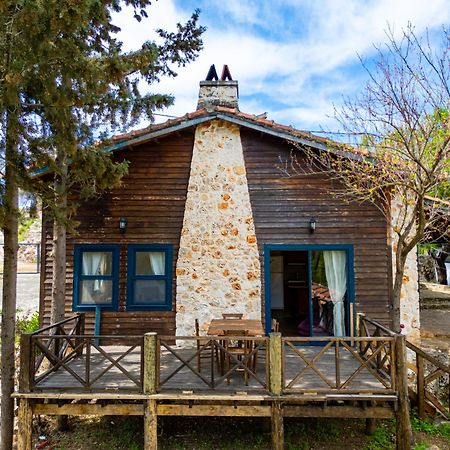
(347, 248)
(96, 276)
(149, 277)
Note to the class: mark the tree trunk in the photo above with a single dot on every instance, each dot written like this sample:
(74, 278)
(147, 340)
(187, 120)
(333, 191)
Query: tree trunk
(59, 240)
(10, 229)
(400, 262)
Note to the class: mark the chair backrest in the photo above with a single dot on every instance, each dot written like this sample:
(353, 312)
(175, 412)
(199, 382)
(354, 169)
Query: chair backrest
(232, 315)
(197, 328)
(275, 326)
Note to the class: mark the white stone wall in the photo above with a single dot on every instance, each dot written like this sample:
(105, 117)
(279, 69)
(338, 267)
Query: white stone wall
(409, 297)
(218, 267)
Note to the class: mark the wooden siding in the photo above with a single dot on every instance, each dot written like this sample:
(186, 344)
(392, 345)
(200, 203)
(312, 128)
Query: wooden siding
(152, 199)
(282, 207)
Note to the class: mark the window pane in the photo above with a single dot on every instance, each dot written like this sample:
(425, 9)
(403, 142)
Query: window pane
(95, 291)
(96, 263)
(149, 291)
(150, 263)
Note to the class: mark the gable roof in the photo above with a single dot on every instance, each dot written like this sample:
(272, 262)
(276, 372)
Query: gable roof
(232, 115)
(237, 117)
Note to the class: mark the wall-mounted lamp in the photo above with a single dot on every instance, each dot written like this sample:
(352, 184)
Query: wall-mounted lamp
(122, 224)
(312, 225)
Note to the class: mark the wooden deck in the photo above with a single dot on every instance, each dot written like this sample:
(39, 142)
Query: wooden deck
(65, 372)
(114, 380)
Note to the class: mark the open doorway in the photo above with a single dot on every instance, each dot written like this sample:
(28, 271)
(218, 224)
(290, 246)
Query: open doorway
(310, 289)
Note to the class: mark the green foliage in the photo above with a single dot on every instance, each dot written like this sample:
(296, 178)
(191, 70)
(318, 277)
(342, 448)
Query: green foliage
(64, 71)
(24, 228)
(27, 324)
(425, 426)
(383, 438)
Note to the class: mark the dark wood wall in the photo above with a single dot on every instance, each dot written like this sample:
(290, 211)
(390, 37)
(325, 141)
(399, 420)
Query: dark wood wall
(282, 207)
(152, 199)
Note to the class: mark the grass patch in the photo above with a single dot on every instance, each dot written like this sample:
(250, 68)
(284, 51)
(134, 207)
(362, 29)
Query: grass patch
(227, 433)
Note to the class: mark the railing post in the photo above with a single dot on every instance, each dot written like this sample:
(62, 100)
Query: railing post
(275, 363)
(150, 379)
(420, 386)
(276, 380)
(403, 423)
(359, 333)
(79, 331)
(150, 360)
(26, 368)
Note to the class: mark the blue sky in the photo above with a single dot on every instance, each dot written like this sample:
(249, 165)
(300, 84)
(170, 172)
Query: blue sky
(294, 59)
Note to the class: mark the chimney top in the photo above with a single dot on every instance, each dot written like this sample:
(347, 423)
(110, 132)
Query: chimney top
(215, 92)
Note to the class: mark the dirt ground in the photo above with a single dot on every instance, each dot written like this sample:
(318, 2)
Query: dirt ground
(126, 433)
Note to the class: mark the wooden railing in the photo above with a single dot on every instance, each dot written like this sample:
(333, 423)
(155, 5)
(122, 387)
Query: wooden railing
(63, 348)
(430, 387)
(179, 364)
(359, 365)
(428, 378)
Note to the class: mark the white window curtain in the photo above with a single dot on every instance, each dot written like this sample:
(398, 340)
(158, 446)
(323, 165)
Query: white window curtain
(92, 265)
(336, 273)
(157, 262)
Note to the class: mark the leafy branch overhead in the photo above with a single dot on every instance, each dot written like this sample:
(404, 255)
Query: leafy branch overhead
(402, 157)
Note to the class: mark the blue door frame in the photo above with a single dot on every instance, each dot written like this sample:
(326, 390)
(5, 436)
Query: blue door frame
(268, 248)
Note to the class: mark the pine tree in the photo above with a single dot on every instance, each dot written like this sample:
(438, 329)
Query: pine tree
(65, 83)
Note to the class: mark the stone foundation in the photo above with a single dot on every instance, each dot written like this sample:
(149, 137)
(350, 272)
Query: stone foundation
(218, 267)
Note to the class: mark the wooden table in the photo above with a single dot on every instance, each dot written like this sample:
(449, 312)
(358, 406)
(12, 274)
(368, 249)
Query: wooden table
(253, 327)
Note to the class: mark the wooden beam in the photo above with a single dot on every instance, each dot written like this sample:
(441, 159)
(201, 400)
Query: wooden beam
(150, 425)
(347, 412)
(277, 426)
(26, 368)
(403, 423)
(82, 409)
(214, 410)
(25, 423)
(371, 425)
(150, 358)
(79, 396)
(275, 363)
(420, 387)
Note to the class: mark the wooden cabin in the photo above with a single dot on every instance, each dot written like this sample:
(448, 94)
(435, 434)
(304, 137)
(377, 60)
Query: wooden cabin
(205, 222)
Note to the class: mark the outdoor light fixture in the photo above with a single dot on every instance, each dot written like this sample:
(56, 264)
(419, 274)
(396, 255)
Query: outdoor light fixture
(122, 224)
(312, 225)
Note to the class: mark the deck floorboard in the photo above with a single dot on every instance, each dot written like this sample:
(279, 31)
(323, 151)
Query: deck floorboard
(114, 380)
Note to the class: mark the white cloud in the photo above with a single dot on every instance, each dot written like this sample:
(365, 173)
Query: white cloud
(299, 72)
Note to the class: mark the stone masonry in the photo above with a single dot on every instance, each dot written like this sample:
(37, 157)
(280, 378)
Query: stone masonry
(218, 268)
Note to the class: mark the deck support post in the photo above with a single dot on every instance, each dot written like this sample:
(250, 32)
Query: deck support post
(277, 426)
(371, 424)
(420, 386)
(150, 425)
(25, 425)
(403, 422)
(276, 388)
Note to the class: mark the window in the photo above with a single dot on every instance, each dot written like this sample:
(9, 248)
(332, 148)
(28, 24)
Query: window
(149, 279)
(96, 276)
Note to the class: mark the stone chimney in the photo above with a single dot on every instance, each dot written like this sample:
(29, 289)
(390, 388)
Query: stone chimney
(215, 92)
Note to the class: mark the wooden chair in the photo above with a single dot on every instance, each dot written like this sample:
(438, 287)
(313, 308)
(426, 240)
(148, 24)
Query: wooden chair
(206, 353)
(239, 349)
(232, 316)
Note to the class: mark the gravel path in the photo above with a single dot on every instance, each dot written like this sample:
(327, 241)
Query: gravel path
(27, 293)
